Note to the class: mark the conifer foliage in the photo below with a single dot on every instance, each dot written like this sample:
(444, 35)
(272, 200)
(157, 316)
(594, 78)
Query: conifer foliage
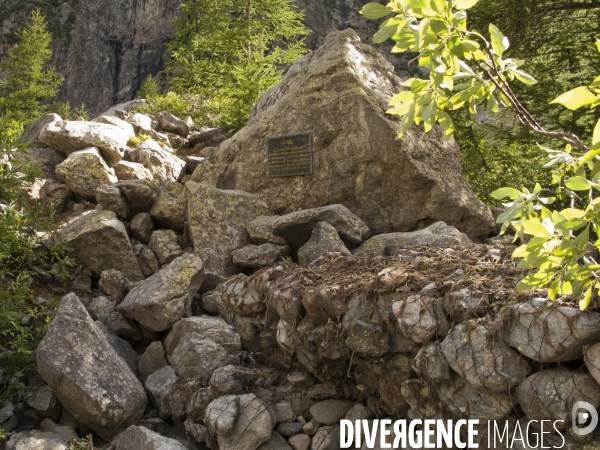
(228, 52)
(27, 85)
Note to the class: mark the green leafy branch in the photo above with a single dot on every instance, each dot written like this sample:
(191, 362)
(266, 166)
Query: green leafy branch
(466, 69)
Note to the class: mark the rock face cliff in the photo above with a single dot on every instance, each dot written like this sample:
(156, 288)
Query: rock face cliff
(106, 48)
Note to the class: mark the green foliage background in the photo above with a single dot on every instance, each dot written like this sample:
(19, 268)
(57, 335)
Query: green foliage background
(556, 38)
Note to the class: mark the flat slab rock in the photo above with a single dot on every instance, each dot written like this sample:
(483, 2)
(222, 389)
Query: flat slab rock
(330, 412)
(340, 94)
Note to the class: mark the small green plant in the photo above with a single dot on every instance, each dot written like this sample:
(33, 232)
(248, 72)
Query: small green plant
(470, 70)
(66, 112)
(134, 141)
(86, 443)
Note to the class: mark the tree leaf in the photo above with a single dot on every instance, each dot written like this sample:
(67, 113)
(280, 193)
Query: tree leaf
(375, 11)
(499, 41)
(384, 34)
(585, 302)
(535, 228)
(596, 138)
(578, 184)
(524, 77)
(501, 193)
(576, 98)
(464, 4)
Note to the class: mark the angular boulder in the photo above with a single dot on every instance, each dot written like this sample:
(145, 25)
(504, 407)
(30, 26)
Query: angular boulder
(111, 199)
(437, 235)
(296, 227)
(115, 121)
(164, 298)
(324, 239)
(37, 440)
(161, 164)
(84, 171)
(169, 122)
(71, 136)
(127, 170)
(340, 94)
(169, 208)
(217, 221)
(140, 194)
(164, 245)
(46, 159)
(86, 374)
(545, 332)
(98, 240)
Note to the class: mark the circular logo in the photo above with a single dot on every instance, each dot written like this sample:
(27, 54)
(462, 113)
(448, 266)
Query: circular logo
(584, 418)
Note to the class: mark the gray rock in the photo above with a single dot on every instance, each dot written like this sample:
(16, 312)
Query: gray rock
(289, 429)
(69, 137)
(111, 199)
(160, 385)
(210, 301)
(463, 401)
(326, 438)
(86, 374)
(242, 297)
(47, 193)
(300, 442)
(415, 180)
(36, 440)
(324, 239)
(221, 414)
(46, 159)
(164, 245)
(152, 360)
(296, 227)
(551, 394)
(6, 411)
(142, 227)
(259, 256)
(139, 194)
(161, 164)
(165, 297)
(66, 433)
(196, 346)
(43, 401)
(217, 221)
(329, 412)
(120, 346)
(147, 261)
(284, 412)
(252, 427)
(192, 162)
(548, 333)
(121, 325)
(367, 338)
(169, 122)
(437, 235)
(321, 391)
(113, 283)
(115, 121)
(84, 171)
(169, 209)
(208, 137)
(483, 360)
(140, 122)
(99, 241)
(140, 438)
(431, 364)
(127, 170)
(358, 412)
(275, 442)
(101, 306)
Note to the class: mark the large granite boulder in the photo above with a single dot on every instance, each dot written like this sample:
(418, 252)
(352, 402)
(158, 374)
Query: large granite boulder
(165, 297)
(84, 171)
(71, 136)
(217, 221)
(89, 378)
(340, 94)
(138, 438)
(169, 208)
(98, 240)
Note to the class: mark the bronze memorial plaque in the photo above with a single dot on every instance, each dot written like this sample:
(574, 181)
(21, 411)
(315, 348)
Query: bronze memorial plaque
(288, 156)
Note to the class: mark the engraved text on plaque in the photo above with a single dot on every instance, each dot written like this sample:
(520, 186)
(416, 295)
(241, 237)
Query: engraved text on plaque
(289, 155)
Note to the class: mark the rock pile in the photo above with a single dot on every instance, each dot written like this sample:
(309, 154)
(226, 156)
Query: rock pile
(202, 317)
